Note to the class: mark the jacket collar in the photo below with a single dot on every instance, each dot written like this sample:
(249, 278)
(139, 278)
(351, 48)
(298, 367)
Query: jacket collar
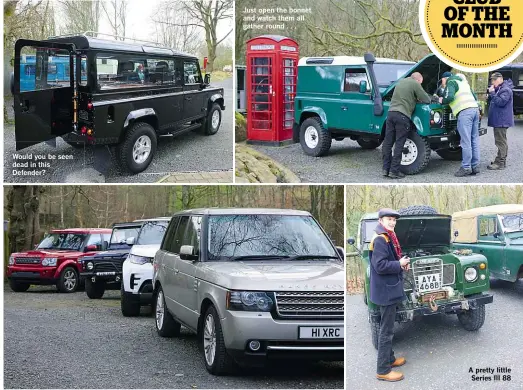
(380, 229)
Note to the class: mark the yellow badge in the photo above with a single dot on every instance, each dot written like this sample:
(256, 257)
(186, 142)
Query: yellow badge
(473, 35)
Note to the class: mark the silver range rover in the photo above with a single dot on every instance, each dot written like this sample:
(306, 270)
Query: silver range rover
(254, 284)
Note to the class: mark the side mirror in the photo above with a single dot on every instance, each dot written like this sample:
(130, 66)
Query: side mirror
(341, 252)
(187, 253)
(130, 241)
(207, 79)
(497, 234)
(456, 233)
(90, 248)
(351, 241)
(105, 245)
(363, 86)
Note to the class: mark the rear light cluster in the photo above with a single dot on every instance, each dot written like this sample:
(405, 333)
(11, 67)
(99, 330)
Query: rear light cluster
(86, 131)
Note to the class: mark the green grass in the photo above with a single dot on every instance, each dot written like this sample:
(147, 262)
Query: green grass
(218, 75)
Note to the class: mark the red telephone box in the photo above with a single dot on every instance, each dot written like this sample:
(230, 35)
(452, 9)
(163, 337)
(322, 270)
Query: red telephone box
(272, 66)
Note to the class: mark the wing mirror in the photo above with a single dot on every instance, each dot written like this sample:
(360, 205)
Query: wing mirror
(351, 241)
(130, 241)
(90, 248)
(187, 253)
(341, 252)
(456, 233)
(207, 79)
(363, 86)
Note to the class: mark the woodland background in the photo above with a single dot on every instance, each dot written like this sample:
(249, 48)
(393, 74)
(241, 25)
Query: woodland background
(33, 210)
(445, 199)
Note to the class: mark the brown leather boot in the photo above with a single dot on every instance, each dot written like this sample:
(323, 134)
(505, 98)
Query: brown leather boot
(392, 376)
(399, 362)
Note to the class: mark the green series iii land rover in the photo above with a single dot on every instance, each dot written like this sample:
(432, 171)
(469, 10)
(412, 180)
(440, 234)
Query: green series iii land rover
(349, 97)
(459, 280)
(497, 233)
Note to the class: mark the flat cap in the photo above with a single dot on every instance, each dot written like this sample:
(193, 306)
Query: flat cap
(495, 75)
(388, 213)
(446, 75)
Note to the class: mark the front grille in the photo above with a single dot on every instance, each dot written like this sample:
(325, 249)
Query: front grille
(323, 304)
(427, 267)
(449, 124)
(28, 260)
(449, 277)
(108, 266)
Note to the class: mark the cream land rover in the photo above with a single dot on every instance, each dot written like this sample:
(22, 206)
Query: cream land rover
(254, 284)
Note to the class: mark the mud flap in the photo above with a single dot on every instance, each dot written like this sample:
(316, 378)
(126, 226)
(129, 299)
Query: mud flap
(102, 159)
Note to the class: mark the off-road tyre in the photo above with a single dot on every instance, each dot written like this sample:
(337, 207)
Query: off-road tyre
(374, 332)
(418, 210)
(130, 307)
(223, 363)
(94, 290)
(207, 127)
(124, 151)
(423, 157)
(18, 286)
(61, 281)
(472, 319)
(324, 138)
(454, 154)
(168, 326)
(368, 144)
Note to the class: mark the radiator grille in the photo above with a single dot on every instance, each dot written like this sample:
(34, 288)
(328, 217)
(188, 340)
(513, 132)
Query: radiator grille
(108, 266)
(324, 304)
(28, 260)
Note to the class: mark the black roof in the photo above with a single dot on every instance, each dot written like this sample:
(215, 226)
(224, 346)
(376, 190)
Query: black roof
(515, 65)
(83, 42)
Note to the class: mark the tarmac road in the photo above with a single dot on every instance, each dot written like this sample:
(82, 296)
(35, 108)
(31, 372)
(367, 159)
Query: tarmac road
(191, 152)
(348, 163)
(438, 350)
(54, 340)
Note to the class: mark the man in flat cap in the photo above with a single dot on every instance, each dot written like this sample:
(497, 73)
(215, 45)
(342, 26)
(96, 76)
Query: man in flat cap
(386, 289)
(500, 116)
(464, 105)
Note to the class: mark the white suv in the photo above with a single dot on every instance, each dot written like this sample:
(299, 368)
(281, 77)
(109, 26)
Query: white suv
(137, 271)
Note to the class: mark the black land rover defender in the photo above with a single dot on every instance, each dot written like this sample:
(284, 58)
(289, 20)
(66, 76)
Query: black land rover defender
(113, 93)
(103, 271)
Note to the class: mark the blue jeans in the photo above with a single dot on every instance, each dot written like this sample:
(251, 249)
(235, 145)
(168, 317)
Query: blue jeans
(468, 128)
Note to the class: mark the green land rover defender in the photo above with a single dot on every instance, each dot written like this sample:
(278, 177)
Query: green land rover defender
(349, 97)
(459, 279)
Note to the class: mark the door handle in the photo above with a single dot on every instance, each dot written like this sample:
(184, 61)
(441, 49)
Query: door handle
(188, 98)
(176, 271)
(344, 108)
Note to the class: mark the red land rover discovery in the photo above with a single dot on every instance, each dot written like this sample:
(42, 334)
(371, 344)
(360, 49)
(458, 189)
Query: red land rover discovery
(55, 259)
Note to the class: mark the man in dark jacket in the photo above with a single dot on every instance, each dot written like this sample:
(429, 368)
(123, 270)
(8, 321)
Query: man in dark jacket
(407, 93)
(500, 116)
(386, 289)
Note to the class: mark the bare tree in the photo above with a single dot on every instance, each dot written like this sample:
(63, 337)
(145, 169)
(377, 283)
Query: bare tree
(116, 13)
(80, 16)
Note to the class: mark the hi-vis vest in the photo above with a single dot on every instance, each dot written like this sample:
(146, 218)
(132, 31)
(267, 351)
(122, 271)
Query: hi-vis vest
(463, 98)
(371, 245)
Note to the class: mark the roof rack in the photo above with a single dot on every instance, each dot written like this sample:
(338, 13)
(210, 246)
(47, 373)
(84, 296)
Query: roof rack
(94, 34)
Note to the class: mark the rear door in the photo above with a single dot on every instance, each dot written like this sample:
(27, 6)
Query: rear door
(43, 91)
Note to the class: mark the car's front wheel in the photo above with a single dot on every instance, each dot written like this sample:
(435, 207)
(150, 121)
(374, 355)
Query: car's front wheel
(68, 281)
(416, 154)
(217, 360)
(130, 307)
(212, 123)
(18, 286)
(472, 319)
(94, 290)
(166, 325)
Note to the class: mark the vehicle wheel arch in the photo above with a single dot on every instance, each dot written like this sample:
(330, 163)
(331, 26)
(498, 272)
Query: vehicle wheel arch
(206, 302)
(216, 98)
(311, 112)
(67, 263)
(146, 115)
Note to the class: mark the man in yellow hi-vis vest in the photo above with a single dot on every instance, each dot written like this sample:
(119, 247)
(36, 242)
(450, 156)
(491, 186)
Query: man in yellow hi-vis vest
(464, 105)
(387, 264)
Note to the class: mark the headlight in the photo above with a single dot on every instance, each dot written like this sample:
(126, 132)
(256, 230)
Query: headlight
(49, 262)
(437, 117)
(471, 274)
(11, 260)
(139, 259)
(249, 301)
(89, 266)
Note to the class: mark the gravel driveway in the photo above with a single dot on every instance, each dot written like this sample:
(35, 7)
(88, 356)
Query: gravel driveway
(191, 152)
(348, 163)
(438, 350)
(54, 340)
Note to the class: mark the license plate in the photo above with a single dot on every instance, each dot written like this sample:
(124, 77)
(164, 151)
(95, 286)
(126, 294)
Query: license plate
(482, 131)
(429, 282)
(321, 332)
(105, 273)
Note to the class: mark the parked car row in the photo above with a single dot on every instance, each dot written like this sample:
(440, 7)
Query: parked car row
(451, 258)
(253, 284)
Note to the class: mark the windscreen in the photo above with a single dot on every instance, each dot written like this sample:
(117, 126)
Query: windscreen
(152, 233)
(512, 222)
(386, 74)
(121, 234)
(66, 241)
(251, 235)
